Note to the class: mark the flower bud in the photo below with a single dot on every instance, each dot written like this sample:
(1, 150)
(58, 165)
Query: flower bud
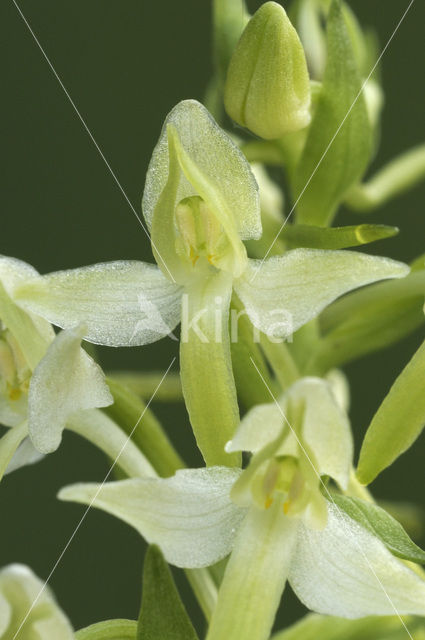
(267, 88)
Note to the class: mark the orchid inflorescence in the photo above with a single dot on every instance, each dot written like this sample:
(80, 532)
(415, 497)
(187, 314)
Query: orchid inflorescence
(269, 309)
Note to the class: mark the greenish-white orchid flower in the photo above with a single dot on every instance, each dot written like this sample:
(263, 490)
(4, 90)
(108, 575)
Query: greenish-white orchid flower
(275, 519)
(200, 203)
(47, 382)
(44, 620)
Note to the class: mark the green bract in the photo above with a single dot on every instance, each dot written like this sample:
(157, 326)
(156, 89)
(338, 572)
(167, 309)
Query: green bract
(162, 614)
(200, 202)
(267, 87)
(384, 526)
(22, 593)
(274, 517)
(338, 145)
(398, 421)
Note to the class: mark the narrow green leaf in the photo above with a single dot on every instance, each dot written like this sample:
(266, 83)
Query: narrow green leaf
(128, 411)
(146, 383)
(338, 145)
(381, 524)
(398, 421)
(299, 235)
(317, 627)
(368, 320)
(109, 630)
(162, 615)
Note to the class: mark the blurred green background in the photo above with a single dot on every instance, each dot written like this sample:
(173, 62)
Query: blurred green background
(125, 64)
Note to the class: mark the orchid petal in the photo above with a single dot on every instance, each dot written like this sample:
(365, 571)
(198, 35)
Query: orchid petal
(325, 428)
(66, 380)
(121, 303)
(216, 159)
(346, 571)
(26, 598)
(260, 426)
(9, 444)
(284, 292)
(24, 455)
(33, 334)
(189, 516)
(13, 412)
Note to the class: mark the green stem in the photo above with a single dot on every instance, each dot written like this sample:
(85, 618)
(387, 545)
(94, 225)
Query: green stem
(105, 434)
(243, 348)
(281, 361)
(255, 577)
(204, 588)
(263, 151)
(397, 177)
(128, 411)
(145, 384)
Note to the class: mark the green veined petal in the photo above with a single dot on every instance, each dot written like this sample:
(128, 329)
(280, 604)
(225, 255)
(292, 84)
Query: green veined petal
(325, 428)
(121, 303)
(216, 158)
(189, 516)
(65, 381)
(345, 571)
(284, 292)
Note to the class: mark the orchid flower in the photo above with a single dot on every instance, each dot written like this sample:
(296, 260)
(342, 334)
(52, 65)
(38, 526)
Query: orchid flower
(277, 517)
(47, 382)
(200, 203)
(20, 617)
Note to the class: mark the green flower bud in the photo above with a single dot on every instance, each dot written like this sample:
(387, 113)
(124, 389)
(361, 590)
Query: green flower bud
(267, 88)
